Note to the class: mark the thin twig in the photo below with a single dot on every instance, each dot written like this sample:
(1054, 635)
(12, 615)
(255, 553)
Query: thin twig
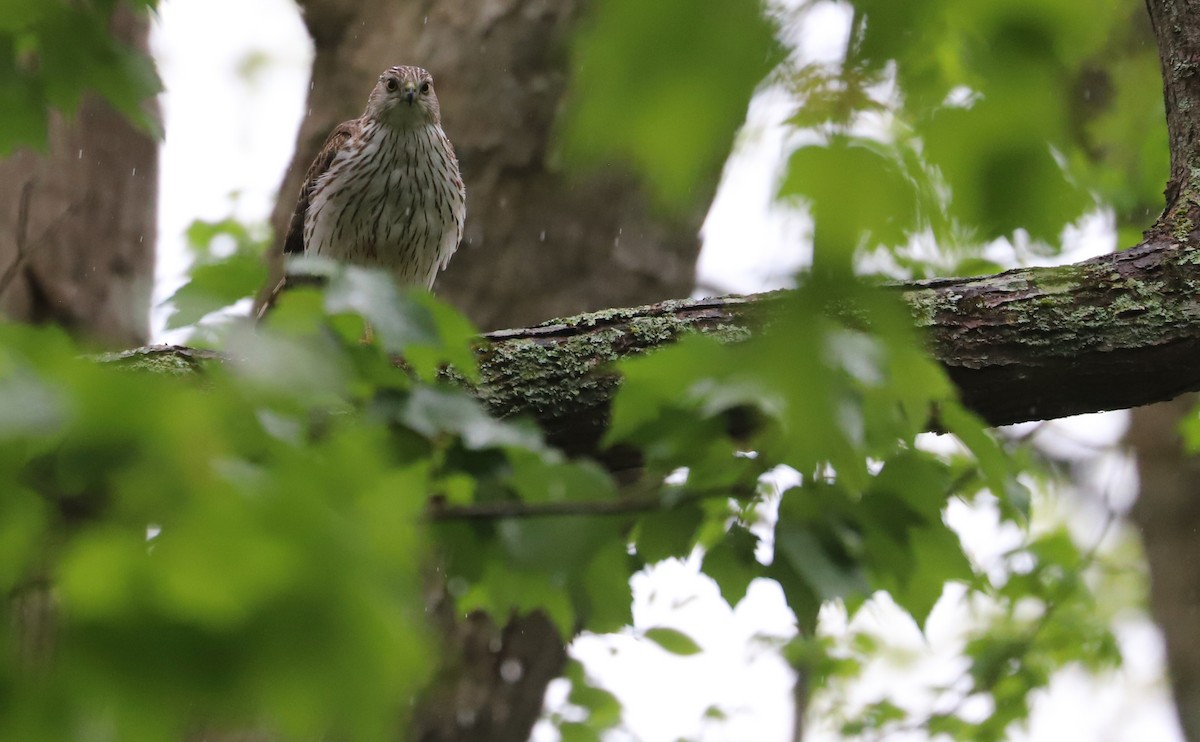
(439, 511)
(10, 273)
(1087, 559)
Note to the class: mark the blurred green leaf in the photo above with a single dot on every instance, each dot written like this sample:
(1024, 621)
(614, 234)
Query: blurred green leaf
(395, 320)
(434, 412)
(24, 519)
(215, 286)
(19, 15)
(732, 565)
(996, 467)
(578, 732)
(52, 53)
(455, 344)
(670, 533)
(501, 591)
(559, 546)
(823, 555)
(662, 95)
(227, 267)
(602, 707)
(606, 605)
(673, 640)
(1002, 167)
(1127, 140)
(857, 191)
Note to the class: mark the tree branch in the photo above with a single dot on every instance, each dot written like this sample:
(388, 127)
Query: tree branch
(1113, 332)
(22, 236)
(439, 510)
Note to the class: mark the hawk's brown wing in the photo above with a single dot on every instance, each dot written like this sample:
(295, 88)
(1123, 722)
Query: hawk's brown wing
(293, 244)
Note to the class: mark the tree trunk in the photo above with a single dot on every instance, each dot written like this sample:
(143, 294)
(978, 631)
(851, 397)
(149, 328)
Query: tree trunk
(1166, 512)
(537, 244)
(77, 223)
(1168, 506)
(77, 234)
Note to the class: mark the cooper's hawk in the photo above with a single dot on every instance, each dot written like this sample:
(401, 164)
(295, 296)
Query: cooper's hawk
(385, 189)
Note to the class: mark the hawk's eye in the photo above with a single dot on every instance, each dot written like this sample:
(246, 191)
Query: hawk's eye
(424, 87)
(391, 84)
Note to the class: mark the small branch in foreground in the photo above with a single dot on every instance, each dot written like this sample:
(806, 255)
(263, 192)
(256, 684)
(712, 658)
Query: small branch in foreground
(26, 247)
(22, 237)
(439, 511)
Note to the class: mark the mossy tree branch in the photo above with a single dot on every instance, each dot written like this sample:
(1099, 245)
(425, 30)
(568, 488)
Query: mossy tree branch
(1113, 332)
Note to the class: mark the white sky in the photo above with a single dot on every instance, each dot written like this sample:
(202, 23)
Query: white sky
(229, 136)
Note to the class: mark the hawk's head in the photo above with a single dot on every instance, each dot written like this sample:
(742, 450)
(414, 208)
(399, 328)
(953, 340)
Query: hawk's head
(404, 97)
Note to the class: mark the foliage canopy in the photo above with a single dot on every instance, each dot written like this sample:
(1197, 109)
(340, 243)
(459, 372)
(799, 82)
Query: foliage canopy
(51, 53)
(248, 546)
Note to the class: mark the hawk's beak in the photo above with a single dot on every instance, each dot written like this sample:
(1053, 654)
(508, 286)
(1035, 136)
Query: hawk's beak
(410, 93)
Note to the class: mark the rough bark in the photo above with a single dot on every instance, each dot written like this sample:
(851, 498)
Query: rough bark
(484, 692)
(1113, 332)
(580, 243)
(84, 216)
(1176, 25)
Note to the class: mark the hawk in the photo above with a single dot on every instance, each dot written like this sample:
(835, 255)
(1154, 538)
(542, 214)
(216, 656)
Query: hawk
(385, 190)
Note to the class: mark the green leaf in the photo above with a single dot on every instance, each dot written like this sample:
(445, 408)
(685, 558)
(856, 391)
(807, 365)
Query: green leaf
(819, 535)
(670, 533)
(1001, 166)
(937, 558)
(732, 564)
(919, 480)
(24, 118)
(677, 404)
(1189, 427)
(219, 278)
(53, 52)
(856, 188)
(433, 412)
(672, 640)
(559, 545)
(204, 239)
(456, 337)
(544, 476)
(656, 382)
(607, 605)
(664, 96)
(500, 591)
(78, 54)
(24, 520)
(828, 569)
(800, 595)
(19, 15)
(994, 463)
(215, 286)
(1131, 135)
(604, 710)
(572, 731)
(396, 320)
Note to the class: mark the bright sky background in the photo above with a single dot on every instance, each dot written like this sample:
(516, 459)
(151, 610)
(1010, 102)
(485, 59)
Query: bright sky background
(234, 99)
